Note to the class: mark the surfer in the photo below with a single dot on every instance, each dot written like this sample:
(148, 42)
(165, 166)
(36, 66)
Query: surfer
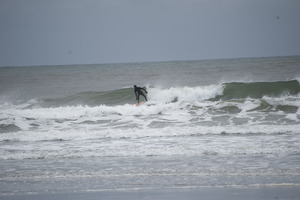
(138, 91)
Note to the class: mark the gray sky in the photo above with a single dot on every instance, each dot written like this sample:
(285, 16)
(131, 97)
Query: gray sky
(50, 32)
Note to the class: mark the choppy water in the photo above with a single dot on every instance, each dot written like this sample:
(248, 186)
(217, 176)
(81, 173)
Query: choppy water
(220, 117)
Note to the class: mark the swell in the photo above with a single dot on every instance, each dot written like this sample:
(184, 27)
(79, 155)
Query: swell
(257, 90)
(111, 98)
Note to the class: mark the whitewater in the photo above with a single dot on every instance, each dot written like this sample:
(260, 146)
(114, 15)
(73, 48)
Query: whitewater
(206, 123)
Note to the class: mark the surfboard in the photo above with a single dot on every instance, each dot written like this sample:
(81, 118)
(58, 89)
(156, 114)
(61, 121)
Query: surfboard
(138, 104)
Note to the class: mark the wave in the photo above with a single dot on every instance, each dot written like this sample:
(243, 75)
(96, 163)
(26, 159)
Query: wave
(215, 105)
(113, 97)
(256, 90)
(223, 92)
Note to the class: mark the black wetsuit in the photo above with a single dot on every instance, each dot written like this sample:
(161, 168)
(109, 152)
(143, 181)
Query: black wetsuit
(138, 91)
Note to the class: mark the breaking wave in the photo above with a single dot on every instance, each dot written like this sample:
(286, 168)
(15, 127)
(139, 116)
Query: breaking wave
(215, 105)
(225, 91)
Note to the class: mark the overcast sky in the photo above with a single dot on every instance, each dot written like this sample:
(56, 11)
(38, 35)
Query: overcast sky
(51, 32)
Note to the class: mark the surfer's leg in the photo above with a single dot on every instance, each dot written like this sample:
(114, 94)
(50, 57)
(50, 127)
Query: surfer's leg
(145, 96)
(138, 98)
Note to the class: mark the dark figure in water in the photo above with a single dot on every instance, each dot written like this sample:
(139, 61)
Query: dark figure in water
(138, 91)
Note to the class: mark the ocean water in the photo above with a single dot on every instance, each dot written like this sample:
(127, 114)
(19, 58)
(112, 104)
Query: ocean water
(206, 123)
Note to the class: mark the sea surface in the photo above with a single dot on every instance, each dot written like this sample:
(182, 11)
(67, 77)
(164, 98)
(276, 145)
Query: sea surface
(76, 128)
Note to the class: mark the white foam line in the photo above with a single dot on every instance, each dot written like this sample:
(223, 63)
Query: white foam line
(197, 186)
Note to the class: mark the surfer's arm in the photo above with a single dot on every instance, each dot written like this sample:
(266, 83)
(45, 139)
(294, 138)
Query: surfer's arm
(135, 94)
(144, 90)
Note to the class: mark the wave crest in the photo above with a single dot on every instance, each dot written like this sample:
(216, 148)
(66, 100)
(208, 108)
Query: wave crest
(256, 90)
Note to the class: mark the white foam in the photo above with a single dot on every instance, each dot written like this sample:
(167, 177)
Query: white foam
(181, 112)
(157, 127)
(292, 117)
(189, 94)
(144, 142)
(80, 133)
